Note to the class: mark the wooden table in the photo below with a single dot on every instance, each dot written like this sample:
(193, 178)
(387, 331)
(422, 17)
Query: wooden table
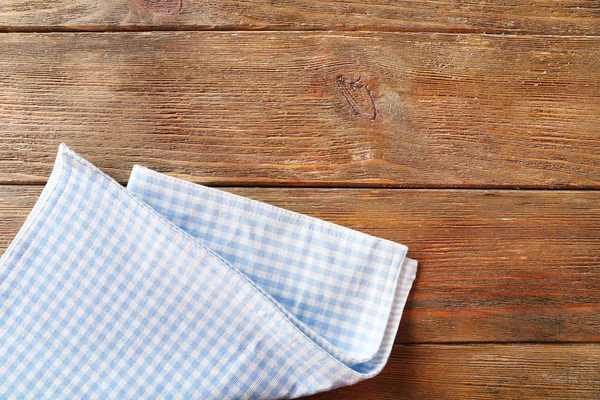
(469, 131)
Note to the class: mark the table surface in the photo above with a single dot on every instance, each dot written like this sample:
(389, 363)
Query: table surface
(469, 131)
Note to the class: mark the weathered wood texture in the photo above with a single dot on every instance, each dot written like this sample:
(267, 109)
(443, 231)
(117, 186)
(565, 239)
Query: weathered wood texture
(482, 372)
(338, 109)
(441, 107)
(565, 17)
(494, 266)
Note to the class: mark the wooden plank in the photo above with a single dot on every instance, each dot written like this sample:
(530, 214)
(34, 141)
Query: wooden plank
(565, 17)
(340, 109)
(494, 266)
(482, 372)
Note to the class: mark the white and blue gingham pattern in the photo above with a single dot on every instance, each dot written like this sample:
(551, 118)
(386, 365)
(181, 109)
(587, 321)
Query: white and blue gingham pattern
(337, 281)
(173, 290)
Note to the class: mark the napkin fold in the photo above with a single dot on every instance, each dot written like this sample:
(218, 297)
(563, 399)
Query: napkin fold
(169, 289)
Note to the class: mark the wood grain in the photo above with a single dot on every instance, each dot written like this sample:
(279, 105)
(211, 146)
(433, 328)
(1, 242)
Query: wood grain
(424, 100)
(338, 109)
(482, 372)
(565, 17)
(494, 266)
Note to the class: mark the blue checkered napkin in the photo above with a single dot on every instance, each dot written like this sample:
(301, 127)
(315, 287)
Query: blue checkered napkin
(173, 290)
(337, 284)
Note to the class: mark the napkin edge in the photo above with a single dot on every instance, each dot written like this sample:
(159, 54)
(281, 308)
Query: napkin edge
(40, 204)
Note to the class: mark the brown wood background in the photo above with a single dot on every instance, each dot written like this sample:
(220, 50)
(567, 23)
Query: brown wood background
(469, 131)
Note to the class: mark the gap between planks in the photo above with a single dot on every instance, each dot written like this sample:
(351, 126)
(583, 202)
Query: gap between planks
(136, 29)
(351, 186)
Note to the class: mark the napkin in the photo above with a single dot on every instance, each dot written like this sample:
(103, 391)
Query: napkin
(169, 289)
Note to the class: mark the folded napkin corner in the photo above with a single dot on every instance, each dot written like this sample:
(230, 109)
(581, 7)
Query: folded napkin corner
(168, 288)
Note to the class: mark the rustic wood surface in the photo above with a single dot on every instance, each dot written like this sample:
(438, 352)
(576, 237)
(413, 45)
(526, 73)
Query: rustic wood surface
(494, 265)
(292, 108)
(564, 17)
(524, 371)
(410, 120)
